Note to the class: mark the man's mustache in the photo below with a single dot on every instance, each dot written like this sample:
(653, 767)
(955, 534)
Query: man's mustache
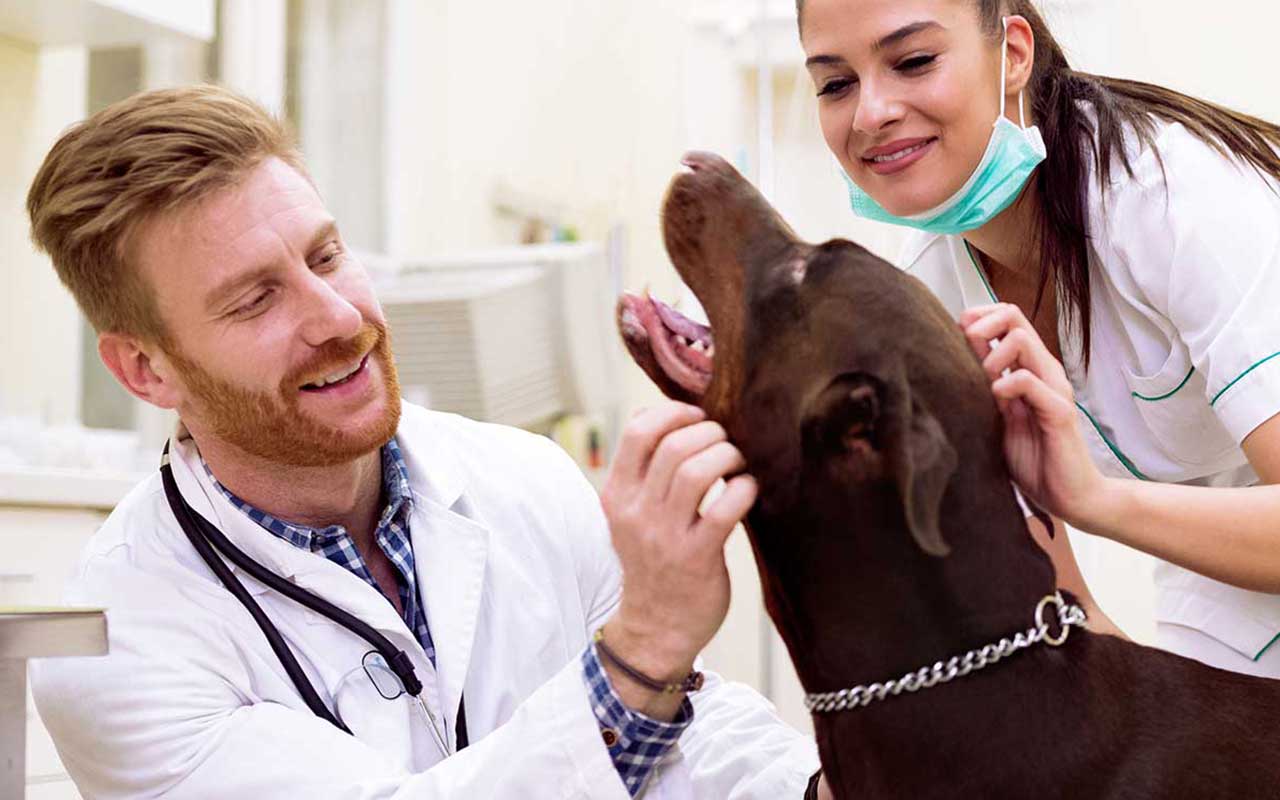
(333, 356)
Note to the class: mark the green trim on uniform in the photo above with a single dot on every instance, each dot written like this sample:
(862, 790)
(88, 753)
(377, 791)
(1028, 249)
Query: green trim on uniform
(1120, 456)
(981, 274)
(1114, 450)
(1219, 395)
(1170, 394)
(1268, 647)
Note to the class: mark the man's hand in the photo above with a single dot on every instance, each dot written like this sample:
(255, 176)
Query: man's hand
(824, 790)
(675, 584)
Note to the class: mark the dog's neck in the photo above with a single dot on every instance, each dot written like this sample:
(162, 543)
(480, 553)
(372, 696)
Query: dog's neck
(857, 601)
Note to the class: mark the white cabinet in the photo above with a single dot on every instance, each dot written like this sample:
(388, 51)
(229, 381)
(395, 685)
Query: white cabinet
(41, 547)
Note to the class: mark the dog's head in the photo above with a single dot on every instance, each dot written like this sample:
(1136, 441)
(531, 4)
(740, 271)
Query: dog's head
(835, 373)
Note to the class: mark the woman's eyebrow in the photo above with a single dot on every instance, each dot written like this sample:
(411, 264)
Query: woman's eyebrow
(904, 32)
(885, 42)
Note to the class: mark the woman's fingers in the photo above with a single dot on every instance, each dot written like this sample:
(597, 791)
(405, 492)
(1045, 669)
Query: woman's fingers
(1020, 348)
(1049, 407)
(982, 325)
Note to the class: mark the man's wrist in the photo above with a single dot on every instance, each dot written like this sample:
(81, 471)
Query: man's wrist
(658, 654)
(655, 659)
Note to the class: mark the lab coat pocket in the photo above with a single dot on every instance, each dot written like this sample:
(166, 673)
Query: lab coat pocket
(1173, 403)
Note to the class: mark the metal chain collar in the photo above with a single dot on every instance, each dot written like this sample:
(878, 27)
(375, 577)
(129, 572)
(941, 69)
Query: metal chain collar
(957, 666)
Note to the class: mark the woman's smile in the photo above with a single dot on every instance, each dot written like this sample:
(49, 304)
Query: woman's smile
(898, 156)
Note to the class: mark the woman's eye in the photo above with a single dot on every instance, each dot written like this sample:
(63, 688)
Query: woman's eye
(916, 62)
(835, 86)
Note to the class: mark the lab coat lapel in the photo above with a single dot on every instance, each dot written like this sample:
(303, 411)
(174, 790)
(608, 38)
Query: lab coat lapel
(308, 570)
(450, 548)
(450, 552)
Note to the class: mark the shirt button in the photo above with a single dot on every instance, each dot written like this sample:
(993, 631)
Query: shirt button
(610, 736)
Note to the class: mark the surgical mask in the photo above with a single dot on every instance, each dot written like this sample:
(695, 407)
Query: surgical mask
(1012, 155)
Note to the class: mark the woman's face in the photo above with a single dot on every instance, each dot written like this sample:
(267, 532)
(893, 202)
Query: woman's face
(907, 94)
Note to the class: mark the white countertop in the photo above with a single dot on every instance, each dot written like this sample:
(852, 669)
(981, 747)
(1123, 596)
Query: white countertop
(63, 488)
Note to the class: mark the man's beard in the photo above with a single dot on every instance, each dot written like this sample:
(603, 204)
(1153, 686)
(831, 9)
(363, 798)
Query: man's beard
(272, 426)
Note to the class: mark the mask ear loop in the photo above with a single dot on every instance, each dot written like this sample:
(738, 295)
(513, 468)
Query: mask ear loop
(1004, 60)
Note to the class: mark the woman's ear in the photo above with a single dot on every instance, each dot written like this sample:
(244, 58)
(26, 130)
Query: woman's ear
(1021, 58)
(130, 361)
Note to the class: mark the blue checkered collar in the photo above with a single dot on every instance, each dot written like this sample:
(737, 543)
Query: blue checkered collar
(396, 488)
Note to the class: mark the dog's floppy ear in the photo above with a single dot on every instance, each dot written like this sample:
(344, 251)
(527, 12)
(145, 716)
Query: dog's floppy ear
(875, 431)
(921, 461)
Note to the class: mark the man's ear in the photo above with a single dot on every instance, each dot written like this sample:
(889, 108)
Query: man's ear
(921, 462)
(130, 361)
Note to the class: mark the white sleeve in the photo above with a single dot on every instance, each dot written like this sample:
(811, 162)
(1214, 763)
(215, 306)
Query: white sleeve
(1206, 254)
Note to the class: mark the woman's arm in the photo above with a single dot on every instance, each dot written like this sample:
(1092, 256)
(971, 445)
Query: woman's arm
(1231, 535)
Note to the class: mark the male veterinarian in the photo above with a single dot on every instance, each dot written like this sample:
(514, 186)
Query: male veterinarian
(328, 593)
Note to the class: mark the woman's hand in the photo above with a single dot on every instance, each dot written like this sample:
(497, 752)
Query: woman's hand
(1046, 454)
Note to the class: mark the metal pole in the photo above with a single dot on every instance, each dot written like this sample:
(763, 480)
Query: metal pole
(765, 183)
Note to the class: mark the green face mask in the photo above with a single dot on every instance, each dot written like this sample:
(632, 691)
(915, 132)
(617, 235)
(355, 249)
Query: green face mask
(1012, 154)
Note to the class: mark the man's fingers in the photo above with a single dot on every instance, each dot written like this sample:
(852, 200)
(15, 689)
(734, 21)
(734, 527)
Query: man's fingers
(721, 516)
(697, 474)
(676, 448)
(642, 434)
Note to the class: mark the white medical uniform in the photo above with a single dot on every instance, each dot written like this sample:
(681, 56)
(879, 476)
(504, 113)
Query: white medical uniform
(516, 570)
(1185, 283)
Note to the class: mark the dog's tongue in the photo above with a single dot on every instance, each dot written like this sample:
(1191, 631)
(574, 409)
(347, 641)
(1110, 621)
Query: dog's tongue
(681, 325)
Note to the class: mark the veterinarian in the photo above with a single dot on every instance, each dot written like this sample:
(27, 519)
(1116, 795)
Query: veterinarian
(1120, 244)
(471, 565)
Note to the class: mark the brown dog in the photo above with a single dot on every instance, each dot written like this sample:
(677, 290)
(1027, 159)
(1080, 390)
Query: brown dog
(888, 538)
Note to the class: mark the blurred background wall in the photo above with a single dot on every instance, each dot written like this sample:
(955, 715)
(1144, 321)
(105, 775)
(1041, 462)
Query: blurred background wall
(525, 143)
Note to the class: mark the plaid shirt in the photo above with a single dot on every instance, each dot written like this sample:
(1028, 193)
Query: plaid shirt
(638, 743)
(335, 544)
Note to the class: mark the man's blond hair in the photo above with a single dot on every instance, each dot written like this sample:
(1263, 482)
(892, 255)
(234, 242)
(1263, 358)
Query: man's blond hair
(154, 152)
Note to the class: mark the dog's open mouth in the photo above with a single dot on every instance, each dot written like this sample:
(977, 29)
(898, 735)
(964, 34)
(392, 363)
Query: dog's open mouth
(669, 346)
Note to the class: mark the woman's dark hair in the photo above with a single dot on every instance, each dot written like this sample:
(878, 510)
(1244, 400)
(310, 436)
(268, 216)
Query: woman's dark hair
(1054, 91)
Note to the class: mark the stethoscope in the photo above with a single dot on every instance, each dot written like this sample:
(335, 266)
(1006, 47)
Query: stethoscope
(205, 536)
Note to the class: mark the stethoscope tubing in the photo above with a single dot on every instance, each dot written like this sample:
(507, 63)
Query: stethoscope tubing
(205, 537)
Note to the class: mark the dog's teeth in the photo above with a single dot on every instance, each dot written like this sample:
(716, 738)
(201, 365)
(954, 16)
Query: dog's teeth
(682, 341)
(697, 345)
(711, 350)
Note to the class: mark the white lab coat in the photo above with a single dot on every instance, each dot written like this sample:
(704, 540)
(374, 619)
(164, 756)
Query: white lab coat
(515, 568)
(1185, 284)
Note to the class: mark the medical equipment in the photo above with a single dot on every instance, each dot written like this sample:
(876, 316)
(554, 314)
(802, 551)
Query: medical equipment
(205, 537)
(518, 336)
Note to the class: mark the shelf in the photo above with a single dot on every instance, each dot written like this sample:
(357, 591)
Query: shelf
(105, 23)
